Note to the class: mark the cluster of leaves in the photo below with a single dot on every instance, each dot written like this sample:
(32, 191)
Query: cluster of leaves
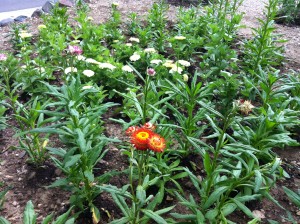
(224, 104)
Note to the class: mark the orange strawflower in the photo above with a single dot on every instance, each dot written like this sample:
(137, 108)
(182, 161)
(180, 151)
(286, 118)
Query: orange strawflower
(131, 129)
(139, 138)
(149, 126)
(156, 143)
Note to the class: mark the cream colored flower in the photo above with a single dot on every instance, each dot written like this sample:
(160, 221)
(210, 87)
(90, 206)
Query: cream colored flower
(41, 69)
(246, 107)
(42, 26)
(128, 44)
(116, 41)
(185, 77)
(86, 87)
(70, 69)
(134, 39)
(184, 63)
(92, 61)
(127, 68)
(179, 38)
(88, 73)
(115, 4)
(107, 65)
(80, 58)
(168, 64)
(176, 68)
(89, 18)
(156, 61)
(150, 50)
(135, 57)
(24, 35)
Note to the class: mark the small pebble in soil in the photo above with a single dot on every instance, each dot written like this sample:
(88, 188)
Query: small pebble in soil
(19, 179)
(15, 203)
(298, 213)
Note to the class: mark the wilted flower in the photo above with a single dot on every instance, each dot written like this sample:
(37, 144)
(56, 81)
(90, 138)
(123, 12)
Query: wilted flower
(135, 57)
(42, 26)
(75, 50)
(134, 39)
(92, 61)
(25, 34)
(88, 73)
(179, 38)
(156, 61)
(176, 68)
(149, 125)
(70, 69)
(107, 65)
(3, 57)
(184, 63)
(131, 130)
(151, 72)
(185, 77)
(245, 106)
(128, 44)
(127, 68)
(150, 50)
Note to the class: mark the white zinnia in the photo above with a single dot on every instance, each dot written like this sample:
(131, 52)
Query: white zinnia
(175, 68)
(135, 57)
(70, 69)
(156, 61)
(92, 61)
(134, 39)
(179, 38)
(86, 87)
(150, 50)
(184, 63)
(107, 65)
(127, 68)
(88, 73)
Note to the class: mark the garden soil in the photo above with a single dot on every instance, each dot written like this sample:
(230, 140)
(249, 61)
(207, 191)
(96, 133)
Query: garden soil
(25, 182)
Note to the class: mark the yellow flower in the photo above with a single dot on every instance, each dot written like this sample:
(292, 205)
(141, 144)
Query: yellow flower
(179, 38)
(42, 26)
(88, 73)
(168, 64)
(185, 77)
(24, 35)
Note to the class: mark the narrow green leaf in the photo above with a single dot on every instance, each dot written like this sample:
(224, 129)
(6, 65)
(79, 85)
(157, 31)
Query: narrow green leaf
(72, 160)
(258, 180)
(3, 220)
(215, 196)
(29, 214)
(154, 216)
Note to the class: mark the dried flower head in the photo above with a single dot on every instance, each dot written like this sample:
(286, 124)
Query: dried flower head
(129, 131)
(150, 126)
(244, 106)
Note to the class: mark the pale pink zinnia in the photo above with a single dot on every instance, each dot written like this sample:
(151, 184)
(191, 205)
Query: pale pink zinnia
(151, 72)
(75, 50)
(3, 57)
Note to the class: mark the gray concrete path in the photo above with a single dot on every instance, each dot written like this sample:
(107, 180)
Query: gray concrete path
(13, 5)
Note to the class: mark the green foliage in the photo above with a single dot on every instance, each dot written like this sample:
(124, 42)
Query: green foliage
(289, 12)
